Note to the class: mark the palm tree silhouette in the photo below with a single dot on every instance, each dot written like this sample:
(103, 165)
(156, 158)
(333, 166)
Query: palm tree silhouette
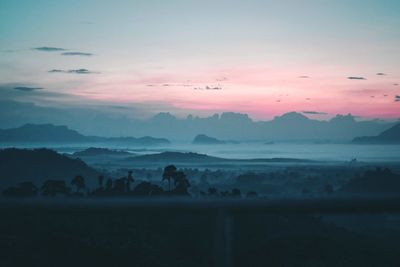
(168, 174)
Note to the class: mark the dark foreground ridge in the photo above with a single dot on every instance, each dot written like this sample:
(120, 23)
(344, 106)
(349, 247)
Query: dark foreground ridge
(356, 203)
(188, 232)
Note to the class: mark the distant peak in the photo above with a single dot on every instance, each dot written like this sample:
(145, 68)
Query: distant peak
(343, 118)
(290, 116)
(164, 116)
(235, 116)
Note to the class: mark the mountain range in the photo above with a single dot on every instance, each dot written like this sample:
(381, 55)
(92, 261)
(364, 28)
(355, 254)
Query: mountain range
(390, 136)
(291, 126)
(48, 133)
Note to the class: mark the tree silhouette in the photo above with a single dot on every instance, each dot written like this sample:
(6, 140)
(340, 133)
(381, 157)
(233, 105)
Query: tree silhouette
(147, 189)
(78, 182)
(120, 185)
(24, 189)
(129, 180)
(101, 181)
(54, 187)
(168, 174)
(109, 185)
(212, 191)
(181, 183)
(236, 192)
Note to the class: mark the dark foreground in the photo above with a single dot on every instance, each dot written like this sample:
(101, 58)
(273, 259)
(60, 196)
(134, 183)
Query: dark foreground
(187, 232)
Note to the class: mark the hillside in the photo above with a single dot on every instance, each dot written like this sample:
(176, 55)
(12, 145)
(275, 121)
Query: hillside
(190, 157)
(203, 139)
(174, 157)
(390, 136)
(95, 151)
(38, 165)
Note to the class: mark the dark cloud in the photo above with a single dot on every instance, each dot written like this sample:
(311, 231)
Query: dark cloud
(397, 98)
(76, 54)
(76, 71)
(22, 92)
(356, 78)
(208, 88)
(27, 89)
(56, 70)
(380, 73)
(395, 84)
(48, 49)
(314, 112)
(81, 71)
(213, 88)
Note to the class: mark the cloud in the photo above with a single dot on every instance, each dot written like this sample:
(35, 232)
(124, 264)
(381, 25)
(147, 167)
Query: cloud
(208, 88)
(56, 70)
(27, 89)
(314, 112)
(76, 54)
(21, 92)
(76, 71)
(304, 77)
(121, 107)
(397, 98)
(48, 49)
(356, 78)
(81, 71)
(380, 73)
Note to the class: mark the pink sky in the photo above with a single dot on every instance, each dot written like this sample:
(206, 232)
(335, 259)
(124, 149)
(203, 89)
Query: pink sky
(260, 91)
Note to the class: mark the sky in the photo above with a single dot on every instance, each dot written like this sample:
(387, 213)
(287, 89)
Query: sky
(263, 58)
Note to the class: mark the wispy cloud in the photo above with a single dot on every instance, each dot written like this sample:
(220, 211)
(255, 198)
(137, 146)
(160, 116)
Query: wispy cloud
(27, 89)
(356, 78)
(314, 112)
(397, 98)
(49, 49)
(82, 71)
(77, 54)
(208, 88)
(304, 77)
(380, 73)
(74, 71)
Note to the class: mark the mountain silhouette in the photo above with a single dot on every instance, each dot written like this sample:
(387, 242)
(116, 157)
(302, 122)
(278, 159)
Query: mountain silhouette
(190, 157)
(390, 136)
(38, 165)
(203, 139)
(291, 126)
(49, 133)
